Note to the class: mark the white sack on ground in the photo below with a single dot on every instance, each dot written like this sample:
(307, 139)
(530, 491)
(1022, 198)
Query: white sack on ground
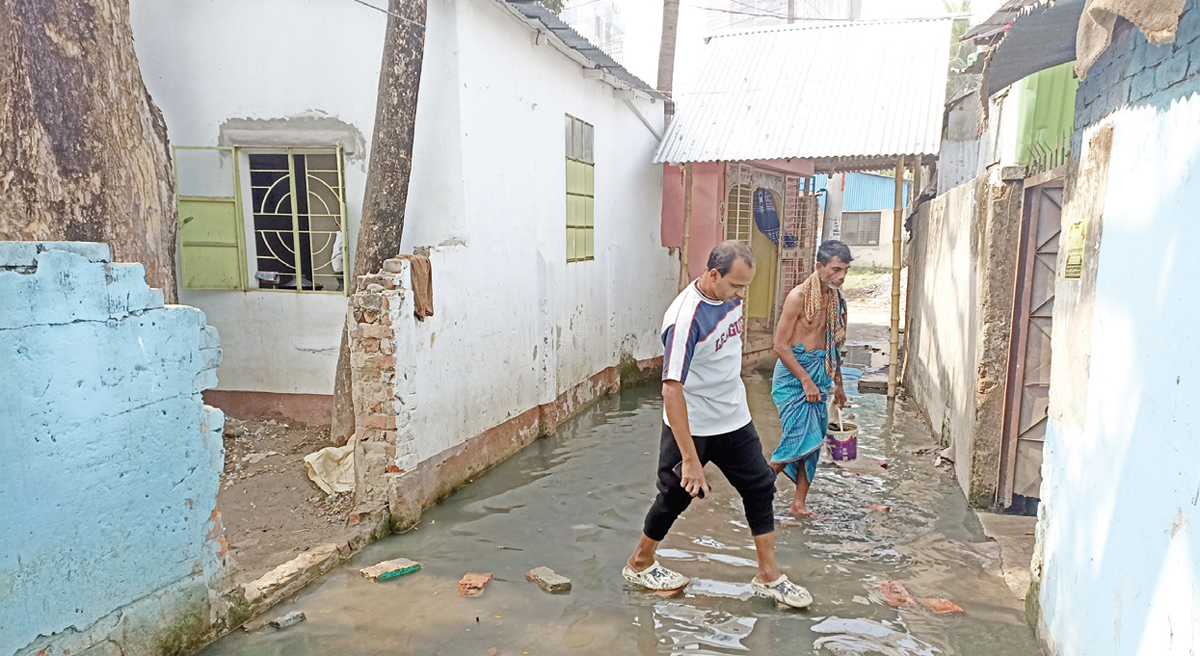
(332, 468)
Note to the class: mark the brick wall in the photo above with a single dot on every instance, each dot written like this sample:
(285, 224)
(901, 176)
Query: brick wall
(1132, 70)
(112, 464)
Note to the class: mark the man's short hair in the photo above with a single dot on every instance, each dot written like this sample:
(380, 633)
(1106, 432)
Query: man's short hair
(723, 254)
(831, 249)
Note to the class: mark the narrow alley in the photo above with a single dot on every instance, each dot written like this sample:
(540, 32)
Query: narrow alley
(574, 502)
(357, 335)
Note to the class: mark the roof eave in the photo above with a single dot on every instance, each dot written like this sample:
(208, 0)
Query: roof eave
(534, 15)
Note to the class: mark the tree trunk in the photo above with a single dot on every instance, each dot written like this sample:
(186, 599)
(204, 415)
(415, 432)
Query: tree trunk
(666, 54)
(83, 148)
(387, 176)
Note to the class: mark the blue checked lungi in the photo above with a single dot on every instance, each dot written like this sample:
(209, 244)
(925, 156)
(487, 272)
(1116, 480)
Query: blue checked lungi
(804, 423)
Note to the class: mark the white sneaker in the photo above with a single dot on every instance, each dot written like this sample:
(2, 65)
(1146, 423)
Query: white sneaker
(783, 591)
(656, 577)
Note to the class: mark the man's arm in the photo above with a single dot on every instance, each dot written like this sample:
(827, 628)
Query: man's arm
(783, 332)
(676, 408)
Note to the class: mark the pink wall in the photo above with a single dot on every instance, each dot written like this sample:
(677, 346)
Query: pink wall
(708, 190)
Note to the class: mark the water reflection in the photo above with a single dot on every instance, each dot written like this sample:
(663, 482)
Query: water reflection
(858, 636)
(685, 630)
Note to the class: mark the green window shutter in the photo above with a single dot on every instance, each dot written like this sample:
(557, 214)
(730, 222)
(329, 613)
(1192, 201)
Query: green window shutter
(211, 242)
(581, 190)
(208, 242)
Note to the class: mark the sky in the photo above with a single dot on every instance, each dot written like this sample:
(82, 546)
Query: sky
(642, 20)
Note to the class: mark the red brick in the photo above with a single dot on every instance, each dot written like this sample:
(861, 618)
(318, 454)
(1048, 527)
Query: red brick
(370, 345)
(473, 583)
(384, 362)
(895, 594)
(366, 373)
(942, 605)
(386, 347)
(382, 422)
(375, 331)
(385, 303)
(354, 518)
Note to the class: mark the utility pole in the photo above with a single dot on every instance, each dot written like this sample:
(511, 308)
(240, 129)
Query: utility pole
(791, 11)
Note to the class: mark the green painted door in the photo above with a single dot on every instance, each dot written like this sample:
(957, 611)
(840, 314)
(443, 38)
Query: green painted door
(761, 297)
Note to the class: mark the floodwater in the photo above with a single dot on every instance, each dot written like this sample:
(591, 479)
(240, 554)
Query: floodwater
(575, 501)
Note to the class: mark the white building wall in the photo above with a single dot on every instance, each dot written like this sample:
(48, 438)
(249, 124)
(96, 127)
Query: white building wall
(517, 324)
(209, 62)
(1121, 494)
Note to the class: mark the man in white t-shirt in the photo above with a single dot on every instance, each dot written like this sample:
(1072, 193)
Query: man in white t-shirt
(706, 419)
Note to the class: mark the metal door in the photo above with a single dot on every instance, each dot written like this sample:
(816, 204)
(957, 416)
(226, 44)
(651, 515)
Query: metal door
(1028, 391)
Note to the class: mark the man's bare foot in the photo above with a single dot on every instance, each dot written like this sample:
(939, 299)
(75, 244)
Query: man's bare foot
(798, 510)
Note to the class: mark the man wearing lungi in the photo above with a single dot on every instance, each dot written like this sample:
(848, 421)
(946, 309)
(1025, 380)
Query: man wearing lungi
(808, 339)
(706, 419)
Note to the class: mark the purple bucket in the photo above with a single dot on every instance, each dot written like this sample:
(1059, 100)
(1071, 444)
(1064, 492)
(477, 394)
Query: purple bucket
(843, 440)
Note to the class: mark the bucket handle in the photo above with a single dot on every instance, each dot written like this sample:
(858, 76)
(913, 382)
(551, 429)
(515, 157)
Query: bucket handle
(838, 410)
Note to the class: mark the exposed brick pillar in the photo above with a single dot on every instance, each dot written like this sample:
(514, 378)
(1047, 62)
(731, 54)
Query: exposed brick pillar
(373, 309)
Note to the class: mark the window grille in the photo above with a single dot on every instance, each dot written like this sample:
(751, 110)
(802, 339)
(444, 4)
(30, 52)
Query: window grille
(581, 190)
(297, 209)
(229, 243)
(860, 228)
(739, 213)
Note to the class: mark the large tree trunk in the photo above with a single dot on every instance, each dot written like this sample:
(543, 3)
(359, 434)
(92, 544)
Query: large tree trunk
(387, 176)
(83, 149)
(666, 53)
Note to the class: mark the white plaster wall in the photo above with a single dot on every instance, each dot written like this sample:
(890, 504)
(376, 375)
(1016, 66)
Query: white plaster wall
(1121, 490)
(488, 174)
(515, 324)
(488, 183)
(208, 61)
(943, 311)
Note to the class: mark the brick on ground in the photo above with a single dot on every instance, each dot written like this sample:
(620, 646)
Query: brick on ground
(390, 569)
(473, 583)
(548, 580)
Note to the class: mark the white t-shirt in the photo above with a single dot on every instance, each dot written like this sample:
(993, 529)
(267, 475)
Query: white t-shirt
(702, 342)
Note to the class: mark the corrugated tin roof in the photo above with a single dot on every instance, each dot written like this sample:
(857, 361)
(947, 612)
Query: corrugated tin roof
(1002, 18)
(1036, 40)
(864, 192)
(862, 91)
(534, 10)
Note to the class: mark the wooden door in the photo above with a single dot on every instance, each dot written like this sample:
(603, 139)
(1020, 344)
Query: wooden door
(1028, 390)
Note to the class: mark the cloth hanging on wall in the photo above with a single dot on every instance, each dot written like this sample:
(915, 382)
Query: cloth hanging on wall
(422, 282)
(766, 217)
(1157, 19)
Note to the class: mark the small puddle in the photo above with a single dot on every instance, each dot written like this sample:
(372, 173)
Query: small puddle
(574, 502)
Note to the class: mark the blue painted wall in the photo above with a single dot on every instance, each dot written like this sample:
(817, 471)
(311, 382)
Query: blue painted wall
(864, 192)
(1120, 514)
(111, 463)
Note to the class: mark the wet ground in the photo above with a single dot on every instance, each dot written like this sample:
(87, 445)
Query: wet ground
(575, 501)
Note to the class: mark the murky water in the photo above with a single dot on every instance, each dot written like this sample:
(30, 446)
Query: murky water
(575, 502)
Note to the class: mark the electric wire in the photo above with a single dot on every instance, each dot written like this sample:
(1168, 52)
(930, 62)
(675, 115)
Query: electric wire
(389, 13)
